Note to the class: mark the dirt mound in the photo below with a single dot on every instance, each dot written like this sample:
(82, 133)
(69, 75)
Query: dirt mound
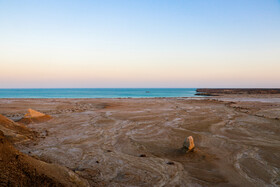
(18, 169)
(15, 131)
(34, 116)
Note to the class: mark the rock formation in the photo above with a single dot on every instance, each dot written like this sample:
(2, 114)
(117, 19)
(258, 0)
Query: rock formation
(189, 144)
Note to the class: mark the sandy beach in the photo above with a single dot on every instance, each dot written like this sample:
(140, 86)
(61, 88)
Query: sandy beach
(138, 142)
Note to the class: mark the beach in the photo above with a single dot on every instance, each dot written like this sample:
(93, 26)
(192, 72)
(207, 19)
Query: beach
(138, 141)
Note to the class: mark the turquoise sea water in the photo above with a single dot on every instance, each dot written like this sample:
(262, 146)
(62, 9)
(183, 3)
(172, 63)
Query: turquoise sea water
(97, 92)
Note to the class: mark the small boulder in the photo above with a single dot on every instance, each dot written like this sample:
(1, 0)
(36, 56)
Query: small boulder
(189, 144)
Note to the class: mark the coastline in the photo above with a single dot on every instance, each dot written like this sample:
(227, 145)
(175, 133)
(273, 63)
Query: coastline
(249, 91)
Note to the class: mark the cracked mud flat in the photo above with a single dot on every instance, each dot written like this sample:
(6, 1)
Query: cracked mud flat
(137, 142)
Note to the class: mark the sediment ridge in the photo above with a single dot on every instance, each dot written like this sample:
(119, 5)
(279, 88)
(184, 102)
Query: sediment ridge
(217, 91)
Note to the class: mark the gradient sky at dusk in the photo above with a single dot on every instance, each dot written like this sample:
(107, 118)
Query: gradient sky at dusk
(144, 43)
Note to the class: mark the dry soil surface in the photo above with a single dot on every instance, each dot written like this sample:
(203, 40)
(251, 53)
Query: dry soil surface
(138, 142)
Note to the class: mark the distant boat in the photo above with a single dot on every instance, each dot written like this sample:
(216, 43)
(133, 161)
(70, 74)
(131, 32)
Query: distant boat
(147, 91)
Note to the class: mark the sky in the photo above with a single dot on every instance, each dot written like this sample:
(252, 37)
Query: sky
(136, 44)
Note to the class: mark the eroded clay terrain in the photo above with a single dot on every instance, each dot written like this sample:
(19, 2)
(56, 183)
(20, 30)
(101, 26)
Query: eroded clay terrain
(137, 142)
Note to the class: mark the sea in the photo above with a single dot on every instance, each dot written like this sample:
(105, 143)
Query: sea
(97, 92)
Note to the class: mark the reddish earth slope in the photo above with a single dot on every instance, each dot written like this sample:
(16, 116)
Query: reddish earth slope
(18, 169)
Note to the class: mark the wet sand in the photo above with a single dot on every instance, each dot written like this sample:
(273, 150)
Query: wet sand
(137, 142)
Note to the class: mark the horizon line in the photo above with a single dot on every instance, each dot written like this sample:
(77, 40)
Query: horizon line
(147, 88)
